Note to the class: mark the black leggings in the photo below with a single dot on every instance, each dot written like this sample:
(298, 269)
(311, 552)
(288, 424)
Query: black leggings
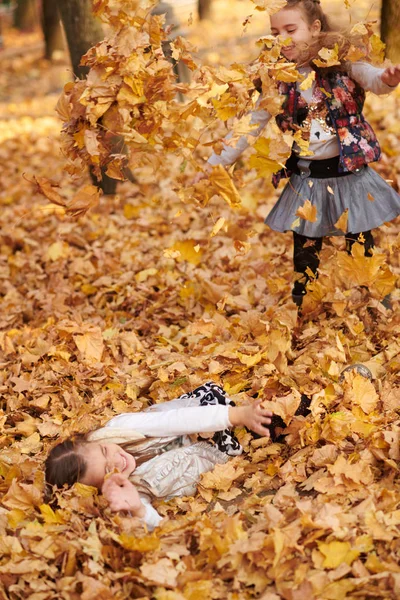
(306, 253)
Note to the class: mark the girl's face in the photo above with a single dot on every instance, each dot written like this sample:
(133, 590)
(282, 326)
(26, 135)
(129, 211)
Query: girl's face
(291, 23)
(104, 458)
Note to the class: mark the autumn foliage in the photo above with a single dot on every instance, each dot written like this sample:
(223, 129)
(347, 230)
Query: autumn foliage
(161, 288)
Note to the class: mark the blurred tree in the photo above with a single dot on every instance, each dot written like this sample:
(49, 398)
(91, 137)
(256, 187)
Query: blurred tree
(390, 22)
(26, 16)
(52, 30)
(83, 31)
(204, 9)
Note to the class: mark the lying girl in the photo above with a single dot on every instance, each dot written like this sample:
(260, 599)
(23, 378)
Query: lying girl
(153, 452)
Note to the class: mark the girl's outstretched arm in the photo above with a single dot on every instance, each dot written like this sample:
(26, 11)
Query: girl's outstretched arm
(230, 154)
(374, 79)
(199, 419)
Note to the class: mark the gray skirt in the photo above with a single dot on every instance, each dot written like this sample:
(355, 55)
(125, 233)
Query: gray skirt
(369, 200)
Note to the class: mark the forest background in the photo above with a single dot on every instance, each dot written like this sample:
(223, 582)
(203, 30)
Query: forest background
(148, 295)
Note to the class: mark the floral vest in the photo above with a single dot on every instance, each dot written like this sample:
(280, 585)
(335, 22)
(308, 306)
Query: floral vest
(345, 99)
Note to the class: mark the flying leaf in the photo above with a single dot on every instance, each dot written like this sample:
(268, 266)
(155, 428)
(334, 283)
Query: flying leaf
(308, 81)
(271, 6)
(308, 212)
(261, 161)
(223, 185)
(341, 223)
(329, 56)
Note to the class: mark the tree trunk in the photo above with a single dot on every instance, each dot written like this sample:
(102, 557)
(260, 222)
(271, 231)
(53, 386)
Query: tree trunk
(204, 7)
(81, 29)
(52, 30)
(390, 19)
(26, 16)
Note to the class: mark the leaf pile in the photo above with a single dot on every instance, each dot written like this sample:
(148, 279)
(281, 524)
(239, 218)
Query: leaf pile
(143, 299)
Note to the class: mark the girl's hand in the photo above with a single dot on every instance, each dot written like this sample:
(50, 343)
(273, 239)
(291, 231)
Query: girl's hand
(391, 76)
(252, 416)
(201, 175)
(122, 495)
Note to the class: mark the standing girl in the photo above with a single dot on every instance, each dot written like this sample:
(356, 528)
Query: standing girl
(152, 450)
(336, 177)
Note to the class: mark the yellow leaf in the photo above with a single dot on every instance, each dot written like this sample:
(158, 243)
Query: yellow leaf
(185, 250)
(90, 343)
(57, 250)
(21, 496)
(15, 517)
(226, 107)
(215, 90)
(222, 477)
(342, 221)
(377, 53)
(359, 269)
(86, 197)
(88, 289)
(162, 572)
(337, 553)
(370, 197)
(145, 274)
(147, 543)
(330, 57)
(49, 515)
(271, 6)
(251, 360)
(296, 223)
(223, 185)
(359, 29)
(218, 226)
(308, 212)
(362, 392)
(261, 161)
(308, 81)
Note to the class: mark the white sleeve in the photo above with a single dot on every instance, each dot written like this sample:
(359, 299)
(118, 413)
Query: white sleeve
(369, 77)
(230, 154)
(151, 518)
(178, 421)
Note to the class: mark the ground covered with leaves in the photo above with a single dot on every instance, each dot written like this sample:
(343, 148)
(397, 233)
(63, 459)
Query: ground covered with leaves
(143, 299)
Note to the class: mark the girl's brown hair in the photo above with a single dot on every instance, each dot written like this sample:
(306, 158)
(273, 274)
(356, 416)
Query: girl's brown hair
(66, 464)
(312, 11)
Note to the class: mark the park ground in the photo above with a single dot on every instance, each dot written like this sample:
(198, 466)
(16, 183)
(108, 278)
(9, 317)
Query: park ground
(139, 301)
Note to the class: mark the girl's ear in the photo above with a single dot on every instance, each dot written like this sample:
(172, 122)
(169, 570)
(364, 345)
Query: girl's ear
(316, 28)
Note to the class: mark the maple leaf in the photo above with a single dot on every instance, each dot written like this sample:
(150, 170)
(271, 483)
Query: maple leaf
(329, 56)
(308, 212)
(223, 185)
(87, 197)
(90, 343)
(359, 269)
(336, 553)
(362, 393)
(341, 223)
(262, 161)
(308, 81)
(271, 6)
